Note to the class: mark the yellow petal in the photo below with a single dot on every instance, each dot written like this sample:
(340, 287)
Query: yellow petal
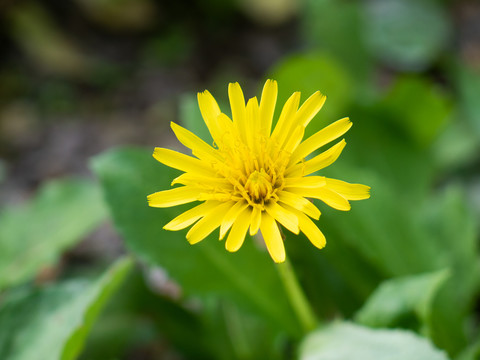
(173, 197)
(284, 217)
(280, 133)
(208, 223)
(347, 190)
(308, 227)
(267, 106)
(181, 161)
(329, 197)
(239, 230)
(239, 113)
(312, 232)
(252, 123)
(306, 182)
(207, 182)
(189, 217)
(199, 147)
(300, 203)
(309, 109)
(255, 221)
(225, 125)
(322, 137)
(272, 237)
(210, 111)
(295, 138)
(320, 161)
(229, 218)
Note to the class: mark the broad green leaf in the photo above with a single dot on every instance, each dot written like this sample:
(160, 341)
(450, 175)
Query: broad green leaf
(247, 277)
(53, 323)
(34, 235)
(347, 341)
(309, 73)
(419, 108)
(407, 34)
(400, 297)
(457, 146)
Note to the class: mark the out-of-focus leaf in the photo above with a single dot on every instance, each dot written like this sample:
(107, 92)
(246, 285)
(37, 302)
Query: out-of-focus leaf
(33, 236)
(247, 277)
(346, 341)
(37, 34)
(468, 84)
(337, 28)
(142, 319)
(406, 34)
(419, 108)
(120, 14)
(391, 238)
(399, 297)
(336, 278)
(310, 73)
(457, 146)
(453, 224)
(53, 323)
(234, 334)
(472, 352)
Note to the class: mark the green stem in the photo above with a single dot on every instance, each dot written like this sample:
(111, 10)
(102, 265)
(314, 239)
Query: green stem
(297, 297)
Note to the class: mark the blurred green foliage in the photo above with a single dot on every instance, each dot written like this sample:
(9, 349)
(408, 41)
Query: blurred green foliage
(33, 236)
(53, 322)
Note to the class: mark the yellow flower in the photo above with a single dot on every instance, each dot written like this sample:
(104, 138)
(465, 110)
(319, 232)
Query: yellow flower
(252, 178)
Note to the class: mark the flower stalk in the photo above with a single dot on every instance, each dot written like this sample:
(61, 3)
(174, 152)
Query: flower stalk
(296, 296)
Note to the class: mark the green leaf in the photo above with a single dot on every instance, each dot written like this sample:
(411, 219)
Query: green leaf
(407, 34)
(53, 323)
(346, 341)
(142, 318)
(467, 81)
(455, 227)
(310, 73)
(337, 28)
(247, 277)
(61, 214)
(419, 108)
(399, 297)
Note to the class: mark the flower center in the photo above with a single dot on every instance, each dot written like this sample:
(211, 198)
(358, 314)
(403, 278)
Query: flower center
(259, 186)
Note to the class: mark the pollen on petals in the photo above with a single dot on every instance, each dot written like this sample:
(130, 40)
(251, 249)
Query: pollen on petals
(255, 178)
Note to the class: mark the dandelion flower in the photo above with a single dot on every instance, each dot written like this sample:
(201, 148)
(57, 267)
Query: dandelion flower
(254, 179)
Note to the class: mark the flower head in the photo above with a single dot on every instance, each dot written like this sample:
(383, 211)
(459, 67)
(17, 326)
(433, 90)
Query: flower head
(253, 178)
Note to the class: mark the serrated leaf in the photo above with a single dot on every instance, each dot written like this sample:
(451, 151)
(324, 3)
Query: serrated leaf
(247, 277)
(34, 235)
(53, 323)
(347, 341)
